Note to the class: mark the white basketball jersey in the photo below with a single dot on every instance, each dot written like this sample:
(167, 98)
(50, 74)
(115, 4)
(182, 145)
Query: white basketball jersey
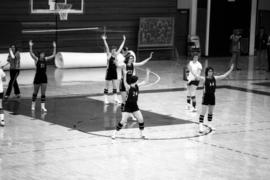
(2, 74)
(195, 67)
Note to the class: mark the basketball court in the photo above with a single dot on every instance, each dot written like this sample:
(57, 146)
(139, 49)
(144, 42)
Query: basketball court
(72, 140)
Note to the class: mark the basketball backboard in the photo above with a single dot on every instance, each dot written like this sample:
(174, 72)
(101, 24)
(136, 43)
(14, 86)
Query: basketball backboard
(49, 6)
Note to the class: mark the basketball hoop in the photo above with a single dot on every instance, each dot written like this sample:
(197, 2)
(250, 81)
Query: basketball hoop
(63, 10)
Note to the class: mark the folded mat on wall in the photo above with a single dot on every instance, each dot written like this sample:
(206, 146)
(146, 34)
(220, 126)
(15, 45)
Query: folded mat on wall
(81, 60)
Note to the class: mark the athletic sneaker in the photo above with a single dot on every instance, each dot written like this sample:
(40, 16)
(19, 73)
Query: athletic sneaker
(114, 134)
(141, 135)
(188, 107)
(200, 127)
(43, 107)
(2, 123)
(193, 109)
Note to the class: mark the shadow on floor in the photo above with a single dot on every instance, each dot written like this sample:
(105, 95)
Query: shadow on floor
(84, 114)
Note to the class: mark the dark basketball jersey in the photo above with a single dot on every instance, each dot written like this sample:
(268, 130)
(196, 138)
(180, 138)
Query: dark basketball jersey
(132, 95)
(130, 71)
(210, 86)
(41, 76)
(41, 67)
(111, 65)
(126, 57)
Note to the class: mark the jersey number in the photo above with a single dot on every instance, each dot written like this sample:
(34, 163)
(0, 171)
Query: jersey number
(42, 65)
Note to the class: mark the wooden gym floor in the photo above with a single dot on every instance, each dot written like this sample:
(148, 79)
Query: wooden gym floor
(72, 140)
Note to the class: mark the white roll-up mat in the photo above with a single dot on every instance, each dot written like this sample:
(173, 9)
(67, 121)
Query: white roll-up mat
(26, 62)
(64, 60)
(63, 76)
(80, 60)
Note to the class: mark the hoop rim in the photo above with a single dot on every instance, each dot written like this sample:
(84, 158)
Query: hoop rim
(63, 9)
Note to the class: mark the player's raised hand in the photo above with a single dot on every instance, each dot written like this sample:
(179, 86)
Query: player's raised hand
(232, 66)
(31, 43)
(151, 55)
(103, 37)
(54, 44)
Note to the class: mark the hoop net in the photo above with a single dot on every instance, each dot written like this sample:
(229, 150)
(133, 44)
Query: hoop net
(63, 10)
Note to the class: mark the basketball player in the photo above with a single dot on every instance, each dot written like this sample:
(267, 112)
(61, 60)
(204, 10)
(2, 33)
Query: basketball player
(192, 84)
(128, 69)
(111, 74)
(40, 79)
(14, 70)
(2, 78)
(208, 100)
(235, 48)
(131, 105)
(126, 52)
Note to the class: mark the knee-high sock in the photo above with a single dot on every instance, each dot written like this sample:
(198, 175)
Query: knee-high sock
(188, 99)
(210, 117)
(34, 97)
(141, 126)
(201, 119)
(119, 126)
(43, 98)
(1, 114)
(193, 98)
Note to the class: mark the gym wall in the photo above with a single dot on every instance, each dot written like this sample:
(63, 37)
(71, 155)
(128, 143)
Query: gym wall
(118, 16)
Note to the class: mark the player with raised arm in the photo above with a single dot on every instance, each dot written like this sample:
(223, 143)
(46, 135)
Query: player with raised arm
(126, 52)
(40, 80)
(111, 74)
(128, 68)
(209, 100)
(131, 105)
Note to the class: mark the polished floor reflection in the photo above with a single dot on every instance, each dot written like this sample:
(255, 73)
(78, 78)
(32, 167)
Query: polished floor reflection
(72, 140)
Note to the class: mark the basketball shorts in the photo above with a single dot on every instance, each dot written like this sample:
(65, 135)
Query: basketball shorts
(209, 99)
(40, 79)
(194, 82)
(131, 108)
(111, 75)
